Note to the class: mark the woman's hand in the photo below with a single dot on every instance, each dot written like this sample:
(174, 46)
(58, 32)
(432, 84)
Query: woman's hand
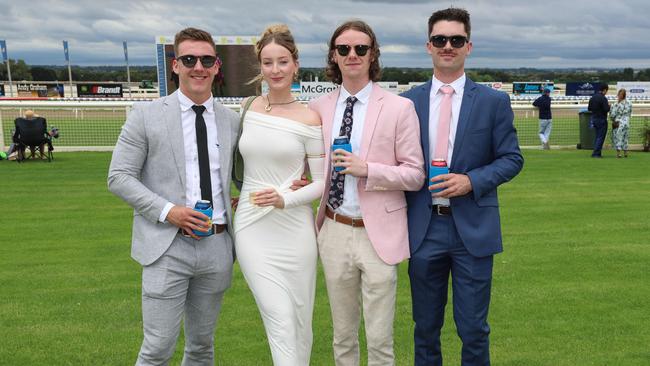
(267, 197)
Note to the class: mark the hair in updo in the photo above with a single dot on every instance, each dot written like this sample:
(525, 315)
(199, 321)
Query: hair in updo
(281, 35)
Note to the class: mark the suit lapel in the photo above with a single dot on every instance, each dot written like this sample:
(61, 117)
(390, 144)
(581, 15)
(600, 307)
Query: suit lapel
(173, 122)
(463, 118)
(375, 103)
(327, 111)
(422, 104)
(223, 136)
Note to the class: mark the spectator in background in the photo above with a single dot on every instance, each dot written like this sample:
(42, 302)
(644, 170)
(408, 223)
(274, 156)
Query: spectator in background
(31, 131)
(543, 103)
(620, 116)
(599, 107)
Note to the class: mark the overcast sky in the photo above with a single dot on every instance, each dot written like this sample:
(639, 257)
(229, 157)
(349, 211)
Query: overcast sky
(505, 33)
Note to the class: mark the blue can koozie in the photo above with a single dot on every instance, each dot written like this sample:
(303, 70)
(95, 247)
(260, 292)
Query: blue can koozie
(343, 143)
(438, 166)
(204, 207)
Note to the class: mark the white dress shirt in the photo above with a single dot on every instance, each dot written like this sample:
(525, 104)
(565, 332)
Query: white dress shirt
(350, 206)
(435, 97)
(192, 177)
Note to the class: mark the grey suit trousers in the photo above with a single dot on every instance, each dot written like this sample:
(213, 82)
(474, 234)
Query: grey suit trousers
(188, 281)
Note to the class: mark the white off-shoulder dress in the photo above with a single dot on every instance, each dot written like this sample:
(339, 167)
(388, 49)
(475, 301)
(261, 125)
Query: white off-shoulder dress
(276, 248)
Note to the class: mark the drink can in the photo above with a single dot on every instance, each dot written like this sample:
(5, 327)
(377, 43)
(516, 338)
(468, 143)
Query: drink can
(438, 166)
(341, 142)
(204, 207)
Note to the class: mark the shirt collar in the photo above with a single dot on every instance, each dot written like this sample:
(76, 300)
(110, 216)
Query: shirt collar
(186, 103)
(458, 85)
(362, 96)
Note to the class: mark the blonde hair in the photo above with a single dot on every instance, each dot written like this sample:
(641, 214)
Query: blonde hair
(281, 35)
(29, 114)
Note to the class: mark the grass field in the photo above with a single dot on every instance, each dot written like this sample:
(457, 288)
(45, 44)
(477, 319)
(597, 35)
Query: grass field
(571, 288)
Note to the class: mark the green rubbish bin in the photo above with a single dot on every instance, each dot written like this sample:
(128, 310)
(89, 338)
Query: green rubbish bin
(587, 134)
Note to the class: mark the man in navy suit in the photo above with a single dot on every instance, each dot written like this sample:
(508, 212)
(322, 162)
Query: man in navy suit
(457, 230)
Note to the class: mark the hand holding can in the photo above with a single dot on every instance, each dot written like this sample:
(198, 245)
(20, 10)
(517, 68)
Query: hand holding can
(204, 207)
(343, 143)
(438, 166)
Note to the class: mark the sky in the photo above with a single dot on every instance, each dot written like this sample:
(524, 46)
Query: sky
(505, 33)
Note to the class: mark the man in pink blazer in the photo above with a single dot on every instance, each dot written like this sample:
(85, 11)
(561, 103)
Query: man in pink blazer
(362, 217)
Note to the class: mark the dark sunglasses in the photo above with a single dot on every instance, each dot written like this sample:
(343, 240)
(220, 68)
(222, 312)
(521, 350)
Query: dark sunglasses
(440, 41)
(344, 49)
(190, 60)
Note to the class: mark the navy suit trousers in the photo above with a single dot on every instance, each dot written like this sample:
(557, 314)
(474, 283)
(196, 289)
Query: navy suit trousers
(600, 125)
(442, 253)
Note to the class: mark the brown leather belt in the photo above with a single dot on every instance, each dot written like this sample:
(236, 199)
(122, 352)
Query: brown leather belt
(216, 229)
(343, 219)
(441, 210)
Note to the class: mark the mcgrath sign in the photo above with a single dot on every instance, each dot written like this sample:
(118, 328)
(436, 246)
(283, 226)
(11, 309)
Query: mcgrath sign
(99, 90)
(311, 89)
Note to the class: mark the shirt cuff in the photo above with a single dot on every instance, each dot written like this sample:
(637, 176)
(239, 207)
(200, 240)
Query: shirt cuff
(165, 211)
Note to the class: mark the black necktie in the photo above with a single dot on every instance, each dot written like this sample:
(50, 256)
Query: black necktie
(337, 181)
(204, 158)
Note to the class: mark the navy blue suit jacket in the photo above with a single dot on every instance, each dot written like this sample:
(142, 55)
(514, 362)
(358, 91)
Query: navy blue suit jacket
(487, 150)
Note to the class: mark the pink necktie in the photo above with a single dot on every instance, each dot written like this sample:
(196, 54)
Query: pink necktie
(444, 119)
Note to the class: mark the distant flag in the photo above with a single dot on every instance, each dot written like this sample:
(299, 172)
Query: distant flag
(65, 51)
(3, 45)
(126, 52)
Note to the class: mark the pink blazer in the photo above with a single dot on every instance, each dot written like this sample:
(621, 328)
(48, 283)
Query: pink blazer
(391, 147)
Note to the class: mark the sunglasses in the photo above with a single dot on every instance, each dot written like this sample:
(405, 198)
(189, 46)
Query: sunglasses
(189, 61)
(344, 49)
(440, 41)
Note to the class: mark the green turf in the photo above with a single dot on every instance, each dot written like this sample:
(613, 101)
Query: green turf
(571, 288)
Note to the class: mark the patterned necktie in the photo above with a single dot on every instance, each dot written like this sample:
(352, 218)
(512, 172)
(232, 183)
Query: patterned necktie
(444, 120)
(204, 158)
(335, 198)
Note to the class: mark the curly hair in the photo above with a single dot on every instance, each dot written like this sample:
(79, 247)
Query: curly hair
(333, 71)
(451, 15)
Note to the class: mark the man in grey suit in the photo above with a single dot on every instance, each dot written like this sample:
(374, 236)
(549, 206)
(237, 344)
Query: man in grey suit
(172, 152)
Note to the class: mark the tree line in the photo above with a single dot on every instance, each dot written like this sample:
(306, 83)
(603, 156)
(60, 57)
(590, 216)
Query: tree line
(20, 71)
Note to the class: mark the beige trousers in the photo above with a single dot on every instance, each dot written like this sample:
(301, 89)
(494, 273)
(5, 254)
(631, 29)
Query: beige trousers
(355, 276)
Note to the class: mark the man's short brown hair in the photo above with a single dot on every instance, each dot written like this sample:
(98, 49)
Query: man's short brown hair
(192, 34)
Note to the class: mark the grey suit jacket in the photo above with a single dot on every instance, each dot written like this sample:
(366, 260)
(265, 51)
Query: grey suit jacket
(148, 169)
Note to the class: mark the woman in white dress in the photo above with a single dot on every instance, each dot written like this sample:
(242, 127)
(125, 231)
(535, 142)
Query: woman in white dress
(274, 226)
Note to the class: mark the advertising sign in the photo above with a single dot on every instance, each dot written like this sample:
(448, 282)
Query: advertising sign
(581, 88)
(389, 86)
(37, 91)
(311, 89)
(496, 85)
(530, 88)
(2, 90)
(635, 88)
(99, 90)
(238, 66)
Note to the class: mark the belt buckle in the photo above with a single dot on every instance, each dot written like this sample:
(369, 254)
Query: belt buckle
(438, 211)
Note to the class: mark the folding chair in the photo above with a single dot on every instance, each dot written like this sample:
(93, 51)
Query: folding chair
(32, 133)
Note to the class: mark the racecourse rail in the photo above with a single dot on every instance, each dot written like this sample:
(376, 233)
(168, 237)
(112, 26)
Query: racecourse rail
(94, 125)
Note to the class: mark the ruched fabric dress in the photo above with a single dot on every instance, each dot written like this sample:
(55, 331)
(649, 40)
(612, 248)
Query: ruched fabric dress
(276, 248)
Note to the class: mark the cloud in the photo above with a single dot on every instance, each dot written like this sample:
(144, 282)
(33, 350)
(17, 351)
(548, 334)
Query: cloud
(508, 33)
